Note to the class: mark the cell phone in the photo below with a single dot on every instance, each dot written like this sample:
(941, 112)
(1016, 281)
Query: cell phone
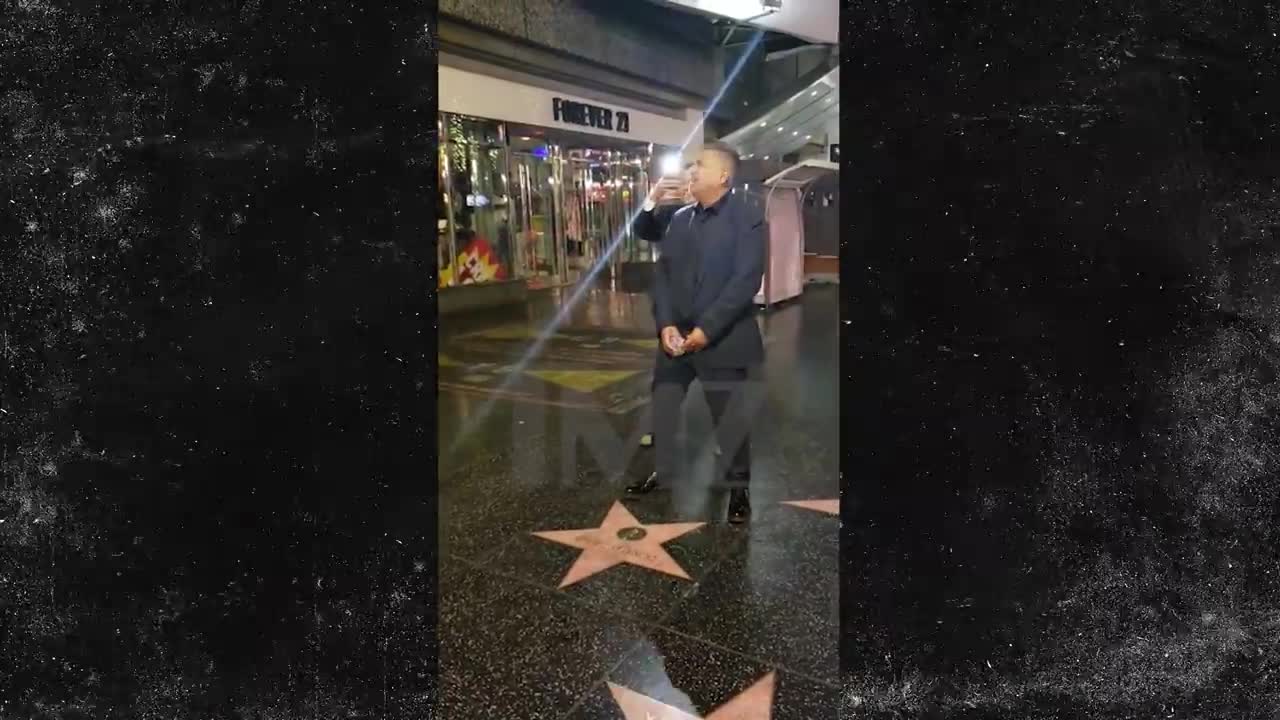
(671, 165)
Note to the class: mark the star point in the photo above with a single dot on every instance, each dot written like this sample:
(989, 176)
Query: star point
(620, 539)
(754, 703)
(830, 507)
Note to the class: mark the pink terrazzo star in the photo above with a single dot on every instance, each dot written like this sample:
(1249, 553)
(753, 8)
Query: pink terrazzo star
(620, 539)
(754, 703)
(831, 507)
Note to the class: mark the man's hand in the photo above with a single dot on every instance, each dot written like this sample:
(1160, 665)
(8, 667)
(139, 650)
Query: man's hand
(696, 341)
(668, 191)
(672, 343)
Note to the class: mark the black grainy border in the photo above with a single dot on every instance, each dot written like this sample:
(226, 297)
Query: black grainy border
(417, 238)
(226, 421)
(861, 323)
(1059, 329)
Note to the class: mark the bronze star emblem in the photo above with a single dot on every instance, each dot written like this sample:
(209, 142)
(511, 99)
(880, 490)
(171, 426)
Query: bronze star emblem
(831, 507)
(620, 539)
(754, 703)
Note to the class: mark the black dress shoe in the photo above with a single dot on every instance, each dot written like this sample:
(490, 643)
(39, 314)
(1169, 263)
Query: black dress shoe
(645, 486)
(739, 506)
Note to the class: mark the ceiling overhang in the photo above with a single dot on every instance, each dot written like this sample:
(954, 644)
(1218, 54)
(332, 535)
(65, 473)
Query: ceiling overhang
(816, 21)
(803, 119)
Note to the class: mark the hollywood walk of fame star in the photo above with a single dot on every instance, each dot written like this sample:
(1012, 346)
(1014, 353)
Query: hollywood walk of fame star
(831, 507)
(754, 703)
(620, 539)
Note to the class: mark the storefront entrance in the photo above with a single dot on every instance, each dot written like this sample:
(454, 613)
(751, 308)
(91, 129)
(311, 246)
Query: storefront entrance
(537, 219)
(538, 205)
(608, 187)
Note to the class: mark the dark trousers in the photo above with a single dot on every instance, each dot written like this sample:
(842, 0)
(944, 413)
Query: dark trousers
(733, 403)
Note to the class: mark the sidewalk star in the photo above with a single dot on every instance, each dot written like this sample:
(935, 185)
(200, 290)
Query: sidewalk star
(754, 703)
(620, 539)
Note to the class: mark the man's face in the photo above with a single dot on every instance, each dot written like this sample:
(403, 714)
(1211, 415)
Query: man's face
(709, 173)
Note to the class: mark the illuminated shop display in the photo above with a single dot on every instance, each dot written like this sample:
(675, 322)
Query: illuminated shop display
(540, 205)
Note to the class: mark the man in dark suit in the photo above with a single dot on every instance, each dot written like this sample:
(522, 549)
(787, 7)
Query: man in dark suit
(667, 196)
(704, 288)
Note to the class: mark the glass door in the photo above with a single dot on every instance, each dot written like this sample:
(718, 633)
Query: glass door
(478, 201)
(446, 241)
(602, 198)
(582, 233)
(536, 221)
(633, 187)
(572, 203)
(616, 240)
(643, 251)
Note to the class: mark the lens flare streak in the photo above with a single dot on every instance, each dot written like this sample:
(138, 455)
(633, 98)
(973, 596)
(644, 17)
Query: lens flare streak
(544, 336)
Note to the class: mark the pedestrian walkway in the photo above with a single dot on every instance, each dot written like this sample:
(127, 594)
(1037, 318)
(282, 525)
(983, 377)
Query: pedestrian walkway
(561, 598)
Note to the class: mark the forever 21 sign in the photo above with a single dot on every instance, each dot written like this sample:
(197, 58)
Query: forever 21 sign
(577, 113)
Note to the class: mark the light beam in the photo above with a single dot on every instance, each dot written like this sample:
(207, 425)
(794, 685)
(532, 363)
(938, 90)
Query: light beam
(562, 314)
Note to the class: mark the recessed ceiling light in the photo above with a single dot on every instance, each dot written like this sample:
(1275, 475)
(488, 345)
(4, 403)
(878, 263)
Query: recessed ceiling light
(780, 128)
(766, 157)
(808, 137)
(763, 124)
(815, 92)
(795, 132)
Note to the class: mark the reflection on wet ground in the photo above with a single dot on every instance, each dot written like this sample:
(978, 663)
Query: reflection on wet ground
(560, 598)
(1063, 486)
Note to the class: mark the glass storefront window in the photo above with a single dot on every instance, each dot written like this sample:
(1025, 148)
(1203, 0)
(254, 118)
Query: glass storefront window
(607, 189)
(478, 202)
(635, 181)
(444, 222)
(539, 211)
(542, 206)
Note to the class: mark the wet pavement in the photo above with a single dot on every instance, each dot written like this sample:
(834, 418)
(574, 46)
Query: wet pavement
(668, 608)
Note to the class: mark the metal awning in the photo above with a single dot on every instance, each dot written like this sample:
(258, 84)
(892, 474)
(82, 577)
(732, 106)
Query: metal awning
(812, 20)
(803, 174)
(808, 117)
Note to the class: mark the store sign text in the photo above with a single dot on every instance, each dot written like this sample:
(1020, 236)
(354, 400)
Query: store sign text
(577, 113)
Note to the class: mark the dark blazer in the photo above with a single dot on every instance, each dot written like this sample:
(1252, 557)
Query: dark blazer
(652, 226)
(707, 276)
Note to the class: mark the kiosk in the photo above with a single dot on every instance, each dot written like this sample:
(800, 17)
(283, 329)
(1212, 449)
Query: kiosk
(784, 273)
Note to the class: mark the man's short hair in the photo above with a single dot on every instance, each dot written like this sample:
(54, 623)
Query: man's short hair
(729, 153)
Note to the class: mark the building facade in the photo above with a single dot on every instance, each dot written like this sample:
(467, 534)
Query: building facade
(552, 128)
